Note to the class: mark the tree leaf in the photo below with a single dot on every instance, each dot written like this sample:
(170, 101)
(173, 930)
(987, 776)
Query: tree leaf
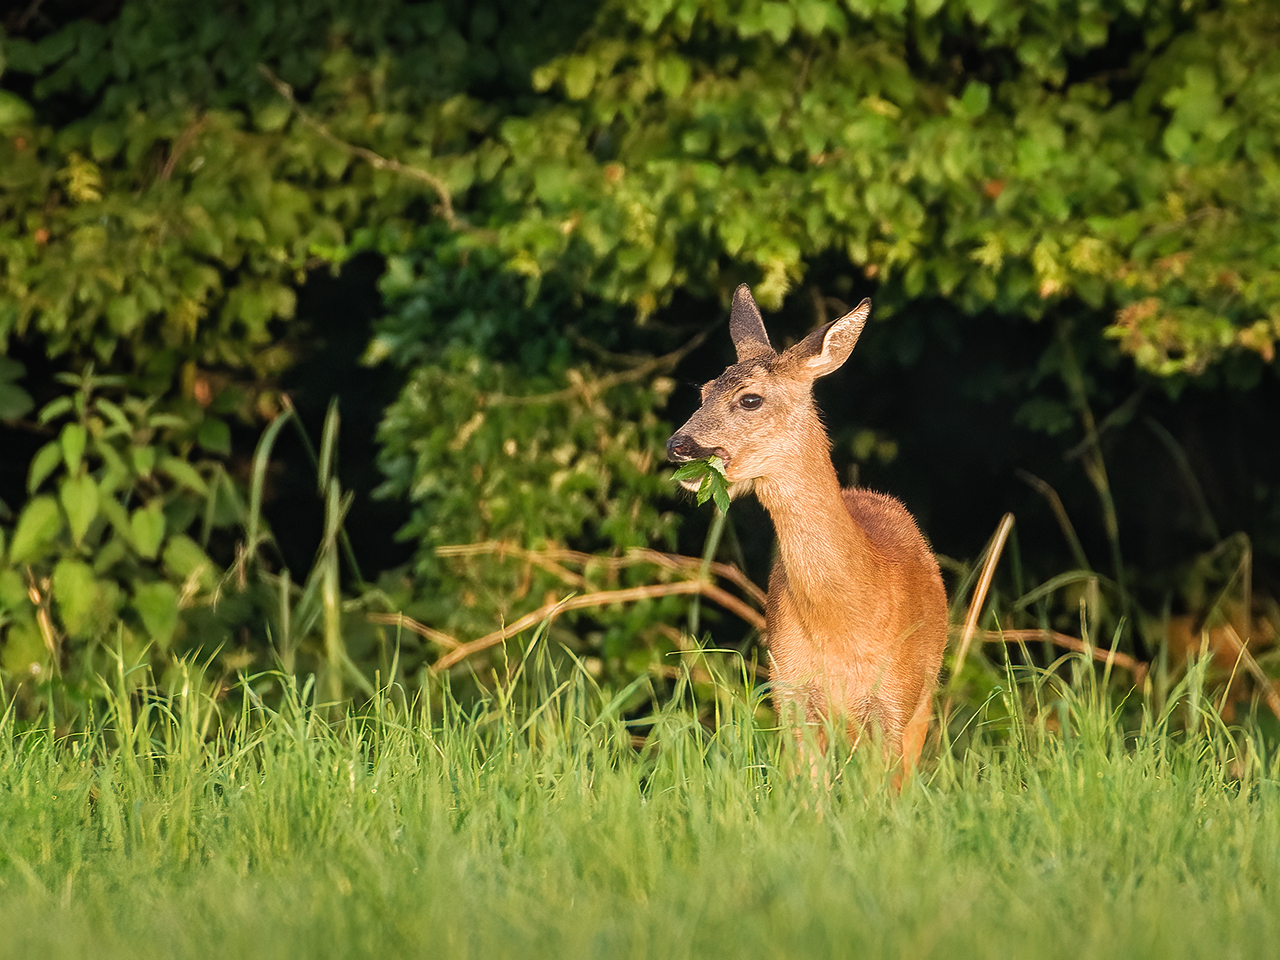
(14, 401)
(14, 111)
(144, 460)
(183, 474)
(157, 607)
(25, 654)
(147, 528)
(43, 463)
(79, 496)
(39, 523)
(215, 436)
(54, 408)
(80, 598)
(185, 559)
(714, 485)
(73, 440)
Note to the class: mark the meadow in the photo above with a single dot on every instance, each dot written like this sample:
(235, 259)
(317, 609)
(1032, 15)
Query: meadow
(553, 819)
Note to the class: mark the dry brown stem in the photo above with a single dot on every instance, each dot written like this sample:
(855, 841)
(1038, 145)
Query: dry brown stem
(984, 585)
(552, 561)
(413, 626)
(600, 599)
(1269, 686)
(1135, 666)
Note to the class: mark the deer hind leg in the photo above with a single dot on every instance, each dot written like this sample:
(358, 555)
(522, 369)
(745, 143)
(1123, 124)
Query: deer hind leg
(913, 737)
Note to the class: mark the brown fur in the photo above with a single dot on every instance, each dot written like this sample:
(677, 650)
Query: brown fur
(857, 613)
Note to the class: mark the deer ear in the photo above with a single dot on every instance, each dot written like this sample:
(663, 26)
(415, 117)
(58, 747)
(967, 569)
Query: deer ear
(746, 326)
(824, 350)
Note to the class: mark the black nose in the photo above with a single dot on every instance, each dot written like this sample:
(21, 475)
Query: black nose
(682, 449)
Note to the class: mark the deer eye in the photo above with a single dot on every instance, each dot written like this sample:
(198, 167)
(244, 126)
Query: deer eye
(750, 401)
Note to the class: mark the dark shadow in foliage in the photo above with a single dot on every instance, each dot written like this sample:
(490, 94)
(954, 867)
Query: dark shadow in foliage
(333, 325)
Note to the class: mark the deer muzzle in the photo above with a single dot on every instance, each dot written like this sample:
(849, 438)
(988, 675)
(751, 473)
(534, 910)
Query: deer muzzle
(682, 448)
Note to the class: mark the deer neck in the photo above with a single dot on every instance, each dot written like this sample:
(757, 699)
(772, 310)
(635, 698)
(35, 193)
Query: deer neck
(820, 543)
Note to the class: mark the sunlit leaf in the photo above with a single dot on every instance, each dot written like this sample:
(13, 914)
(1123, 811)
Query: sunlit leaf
(184, 558)
(79, 598)
(79, 496)
(38, 524)
(73, 440)
(146, 526)
(157, 607)
(43, 463)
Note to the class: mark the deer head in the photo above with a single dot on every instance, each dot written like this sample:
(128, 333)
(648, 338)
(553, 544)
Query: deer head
(758, 414)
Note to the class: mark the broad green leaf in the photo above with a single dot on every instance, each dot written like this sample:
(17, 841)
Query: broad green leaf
(273, 114)
(14, 401)
(777, 20)
(157, 606)
(111, 508)
(116, 474)
(184, 474)
(79, 598)
(115, 550)
(38, 525)
(124, 314)
(54, 409)
(147, 529)
(14, 598)
(112, 412)
(186, 560)
(79, 496)
(713, 485)
(24, 652)
(673, 75)
(215, 436)
(976, 98)
(106, 140)
(43, 463)
(579, 75)
(14, 111)
(144, 460)
(73, 440)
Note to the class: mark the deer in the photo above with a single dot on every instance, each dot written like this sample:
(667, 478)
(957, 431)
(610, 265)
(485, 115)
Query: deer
(856, 612)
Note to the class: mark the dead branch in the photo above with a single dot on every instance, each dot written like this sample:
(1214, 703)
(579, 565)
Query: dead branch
(984, 584)
(1135, 666)
(552, 559)
(600, 599)
(1269, 686)
(413, 626)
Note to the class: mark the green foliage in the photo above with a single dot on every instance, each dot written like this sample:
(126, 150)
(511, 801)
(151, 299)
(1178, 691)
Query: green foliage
(958, 149)
(579, 167)
(15, 402)
(174, 215)
(712, 483)
(963, 149)
(545, 449)
(100, 561)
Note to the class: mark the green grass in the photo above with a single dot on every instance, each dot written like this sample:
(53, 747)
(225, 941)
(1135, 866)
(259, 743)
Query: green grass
(540, 825)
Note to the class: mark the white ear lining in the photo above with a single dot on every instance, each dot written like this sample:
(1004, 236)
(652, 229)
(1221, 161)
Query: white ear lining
(838, 341)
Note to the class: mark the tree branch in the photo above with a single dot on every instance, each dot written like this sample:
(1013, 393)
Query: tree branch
(376, 160)
(1135, 666)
